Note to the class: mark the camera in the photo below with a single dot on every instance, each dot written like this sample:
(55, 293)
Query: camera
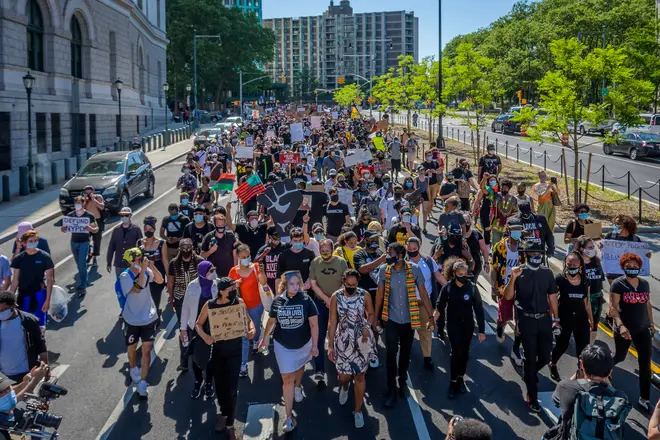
(31, 416)
(553, 180)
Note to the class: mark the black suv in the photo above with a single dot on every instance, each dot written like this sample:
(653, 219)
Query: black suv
(118, 176)
(504, 124)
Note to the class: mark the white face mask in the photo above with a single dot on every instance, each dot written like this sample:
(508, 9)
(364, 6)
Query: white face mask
(78, 207)
(212, 276)
(590, 253)
(254, 223)
(136, 266)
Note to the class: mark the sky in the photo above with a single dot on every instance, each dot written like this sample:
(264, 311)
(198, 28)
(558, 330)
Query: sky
(458, 16)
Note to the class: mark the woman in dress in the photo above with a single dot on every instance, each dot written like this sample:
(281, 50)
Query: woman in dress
(542, 193)
(293, 321)
(350, 339)
(154, 248)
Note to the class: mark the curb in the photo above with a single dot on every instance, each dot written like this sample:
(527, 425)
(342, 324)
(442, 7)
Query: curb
(53, 215)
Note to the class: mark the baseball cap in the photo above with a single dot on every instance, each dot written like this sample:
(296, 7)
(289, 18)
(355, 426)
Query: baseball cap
(225, 283)
(126, 211)
(454, 229)
(371, 234)
(406, 210)
(5, 383)
(533, 246)
(252, 213)
(332, 173)
(23, 228)
(273, 231)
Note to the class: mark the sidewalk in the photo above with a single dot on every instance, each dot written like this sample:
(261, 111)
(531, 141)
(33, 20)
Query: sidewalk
(43, 206)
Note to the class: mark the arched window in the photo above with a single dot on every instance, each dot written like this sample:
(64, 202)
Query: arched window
(76, 48)
(35, 36)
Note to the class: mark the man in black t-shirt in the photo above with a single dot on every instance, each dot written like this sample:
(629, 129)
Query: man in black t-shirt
(366, 262)
(336, 215)
(269, 254)
(218, 246)
(404, 229)
(252, 233)
(198, 228)
(80, 241)
(297, 257)
(465, 181)
(490, 163)
(172, 228)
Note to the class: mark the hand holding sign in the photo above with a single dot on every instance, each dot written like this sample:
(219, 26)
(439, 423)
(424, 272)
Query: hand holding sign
(281, 201)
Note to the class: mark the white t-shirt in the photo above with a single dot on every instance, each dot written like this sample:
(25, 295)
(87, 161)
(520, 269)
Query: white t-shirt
(387, 205)
(511, 262)
(139, 309)
(429, 274)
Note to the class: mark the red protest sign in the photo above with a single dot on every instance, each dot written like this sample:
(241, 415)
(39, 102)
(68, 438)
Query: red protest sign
(289, 158)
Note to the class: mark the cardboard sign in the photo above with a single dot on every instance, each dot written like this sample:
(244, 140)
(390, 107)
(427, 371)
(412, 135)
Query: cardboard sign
(76, 224)
(357, 157)
(613, 249)
(297, 132)
(414, 198)
(379, 143)
(227, 322)
(289, 158)
(316, 122)
(346, 196)
(244, 152)
(335, 115)
(382, 125)
(593, 230)
(382, 167)
(316, 188)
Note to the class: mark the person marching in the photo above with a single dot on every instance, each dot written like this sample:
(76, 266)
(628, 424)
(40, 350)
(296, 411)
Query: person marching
(535, 291)
(350, 340)
(595, 274)
(155, 249)
(461, 297)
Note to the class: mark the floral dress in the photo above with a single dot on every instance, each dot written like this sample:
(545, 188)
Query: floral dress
(352, 356)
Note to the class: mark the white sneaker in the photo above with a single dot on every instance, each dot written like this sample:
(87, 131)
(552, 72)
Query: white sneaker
(374, 363)
(359, 419)
(289, 425)
(142, 389)
(298, 394)
(136, 375)
(343, 395)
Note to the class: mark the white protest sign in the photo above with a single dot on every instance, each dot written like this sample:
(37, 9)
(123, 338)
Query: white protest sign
(300, 109)
(335, 115)
(357, 157)
(249, 141)
(297, 132)
(244, 152)
(346, 196)
(76, 224)
(316, 122)
(270, 134)
(613, 249)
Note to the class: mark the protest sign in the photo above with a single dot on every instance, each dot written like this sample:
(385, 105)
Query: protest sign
(357, 157)
(249, 141)
(316, 188)
(346, 196)
(289, 158)
(227, 323)
(76, 224)
(270, 134)
(335, 115)
(593, 230)
(379, 143)
(382, 167)
(306, 204)
(244, 152)
(382, 125)
(297, 132)
(613, 249)
(255, 114)
(281, 202)
(316, 122)
(300, 109)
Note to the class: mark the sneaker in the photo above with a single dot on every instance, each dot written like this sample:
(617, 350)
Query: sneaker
(244, 371)
(197, 391)
(343, 395)
(359, 419)
(94, 263)
(533, 404)
(516, 355)
(298, 394)
(289, 425)
(554, 373)
(428, 363)
(645, 405)
(142, 389)
(82, 292)
(500, 333)
(319, 377)
(209, 392)
(136, 375)
(452, 391)
(374, 363)
(462, 388)
(424, 231)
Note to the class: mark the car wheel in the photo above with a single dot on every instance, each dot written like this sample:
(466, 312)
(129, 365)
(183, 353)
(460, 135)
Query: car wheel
(607, 149)
(151, 189)
(493, 129)
(124, 201)
(581, 130)
(214, 119)
(633, 154)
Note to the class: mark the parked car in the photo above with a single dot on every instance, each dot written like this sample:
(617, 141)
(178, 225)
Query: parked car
(621, 128)
(504, 124)
(585, 127)
(118, 176)
(236, 120)
(226, 126)
(635, 145)
(653, 120)
(216, 117)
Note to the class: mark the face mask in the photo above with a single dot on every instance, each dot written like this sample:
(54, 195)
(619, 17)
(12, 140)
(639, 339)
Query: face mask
(350, 290)
(453, 239)
(33, 245)
(220, 229)
(373, 193)
(78, 207)
(526, 209)
(406, 219)
(408, 184)
(493, 183)
(583, 215)
(198, 218)
(505, 192)
(148, 234)
(275, 243)
(516, 235)
(521, 192)
(6, 314)
(212, 276)
(334, 198)
(392, 260)
(572, 271)
(315, 178)
(491, 152)
(186, 254)
(462, 280)
(429, 158)
(298, 246)
(254, 223)
(326, 255)
(364, 187)
(373, 245)
(318, 237)
(246, 261)
(616, 229)
(186, 171)
(590, 253)
(184, 202)
(413, 254)
(534, 261)
(631, 273)
(125, 220)
(136, 266)
(542, 178)
(398, 195)
(8, 401)
(231, 296)
(174, 216)
(386, 184)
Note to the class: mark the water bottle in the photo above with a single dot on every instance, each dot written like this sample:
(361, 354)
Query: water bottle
(265, 351)
(379, 329)
(186, 341)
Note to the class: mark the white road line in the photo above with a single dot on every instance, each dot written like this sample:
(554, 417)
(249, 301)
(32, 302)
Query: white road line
(416, 412)
(128, 394)
(59, 370)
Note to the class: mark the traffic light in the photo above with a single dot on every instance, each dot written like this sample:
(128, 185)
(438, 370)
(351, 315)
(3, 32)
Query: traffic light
(519, 94)
(341, 80)
(524, 101)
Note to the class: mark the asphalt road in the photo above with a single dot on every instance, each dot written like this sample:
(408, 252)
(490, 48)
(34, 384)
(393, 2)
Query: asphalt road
(89, 351)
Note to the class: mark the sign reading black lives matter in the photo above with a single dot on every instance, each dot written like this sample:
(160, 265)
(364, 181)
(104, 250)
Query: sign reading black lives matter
(76, 224)
(281, 202)
(227, 323)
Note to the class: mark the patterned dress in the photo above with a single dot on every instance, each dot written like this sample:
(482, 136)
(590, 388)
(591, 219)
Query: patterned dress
(352, 355)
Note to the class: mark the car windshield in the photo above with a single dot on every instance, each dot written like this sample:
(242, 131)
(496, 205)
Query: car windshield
(649, 137)
(102, 168)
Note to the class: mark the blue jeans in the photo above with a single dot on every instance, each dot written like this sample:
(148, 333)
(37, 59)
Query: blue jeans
(80, 251)
(324, 314)
(255, 315)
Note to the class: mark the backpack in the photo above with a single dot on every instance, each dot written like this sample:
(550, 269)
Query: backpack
(121, 298)
(598, 417)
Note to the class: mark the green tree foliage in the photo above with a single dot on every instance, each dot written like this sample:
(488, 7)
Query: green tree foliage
(347, 95)
(246, 45)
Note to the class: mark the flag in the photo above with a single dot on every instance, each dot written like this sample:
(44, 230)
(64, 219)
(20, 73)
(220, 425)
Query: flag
(250, 188)
(225, 182)
(379, 143)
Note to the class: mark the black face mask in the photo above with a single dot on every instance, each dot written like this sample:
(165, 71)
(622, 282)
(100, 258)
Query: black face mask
(631, 273)
(525, 209)
(350, 290)
(334, 198)
(521, 193)
(535, 261)
(148, 234)
(397, 196)
(186, 254)
(231, 296)
(462, 280)
(505, 192)
(392, 260)
(413, 254)
(454, 239)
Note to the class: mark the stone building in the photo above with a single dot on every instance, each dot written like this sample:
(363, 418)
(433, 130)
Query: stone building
(76, 50)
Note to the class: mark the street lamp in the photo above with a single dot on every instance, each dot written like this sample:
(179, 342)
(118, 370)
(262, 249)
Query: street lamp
(119, 83)
(166, 87)
(28, 82)
(188, 89)
(439, 141)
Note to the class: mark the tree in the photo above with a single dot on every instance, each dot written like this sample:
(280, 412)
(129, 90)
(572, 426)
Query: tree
(399, 88)
(347, 95)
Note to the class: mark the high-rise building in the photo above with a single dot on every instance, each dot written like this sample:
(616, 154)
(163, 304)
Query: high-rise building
(341, 43)
(254, 6)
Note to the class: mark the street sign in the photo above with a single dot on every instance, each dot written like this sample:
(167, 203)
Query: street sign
(604, 91)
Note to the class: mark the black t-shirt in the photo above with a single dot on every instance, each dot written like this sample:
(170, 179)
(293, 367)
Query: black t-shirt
(475, 249)
(400, 234)
(362, 257)
(360, 229)
(632, 304)
(32, 269)
(175, 228)
(489, 164)
(463, 304)
(336, 217)
(460, 174)
(196, 234)
(594, 272)
(292, 329)
(186, 210)
(78, 237)
(300, 261)
(433, 165)
(532, 288)
(571, 297)
(448, 188)
(575, 228)
(271, 260)
(223, 257)
(255, 238)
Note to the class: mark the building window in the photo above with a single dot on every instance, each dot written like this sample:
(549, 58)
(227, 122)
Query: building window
(82, 131)
(56, 136)
(137, 120)
(35, 36)
(140, 4)
(92, 131)
(76, 48)
(41, 133)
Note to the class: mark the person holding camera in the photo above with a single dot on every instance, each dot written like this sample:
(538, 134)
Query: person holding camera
(94, 204)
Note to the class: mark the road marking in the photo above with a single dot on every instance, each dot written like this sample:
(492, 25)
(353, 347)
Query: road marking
(59, 370)
(416, 412)
(654, 367)
(130, 391)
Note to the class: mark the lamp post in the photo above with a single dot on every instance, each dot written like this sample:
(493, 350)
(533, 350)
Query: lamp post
(188, 89)
(28, 82)
(439, 142)
(166, 138)
(119, 83)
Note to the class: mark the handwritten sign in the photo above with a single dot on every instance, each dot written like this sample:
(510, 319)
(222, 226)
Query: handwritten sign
(357, 157)
(249, 141)
(316, 122)
(346, 196)
(289, 158)
(382, 167)
(244, 152)
(593, 230)
(227, 322)
(382, 125)
(297, 132)
(76, 224)
(613, 249)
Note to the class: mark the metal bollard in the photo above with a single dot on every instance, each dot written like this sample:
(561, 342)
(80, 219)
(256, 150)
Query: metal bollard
(530, 156)
(602, 178)
(517, 153)
(6, 189)
(506, 149)
(640, 204)
(628, 174)
(545, 160)
(23, 181)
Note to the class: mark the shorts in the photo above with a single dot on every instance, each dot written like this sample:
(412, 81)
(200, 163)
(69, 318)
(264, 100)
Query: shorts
(425, 196)
(32, 303)
(145, 333)
(396, 164)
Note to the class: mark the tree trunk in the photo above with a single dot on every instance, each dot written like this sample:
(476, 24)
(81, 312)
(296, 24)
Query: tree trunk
(408, 119)
(576, 172)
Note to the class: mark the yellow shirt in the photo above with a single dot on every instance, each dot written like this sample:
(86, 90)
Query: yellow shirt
(347, 254)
